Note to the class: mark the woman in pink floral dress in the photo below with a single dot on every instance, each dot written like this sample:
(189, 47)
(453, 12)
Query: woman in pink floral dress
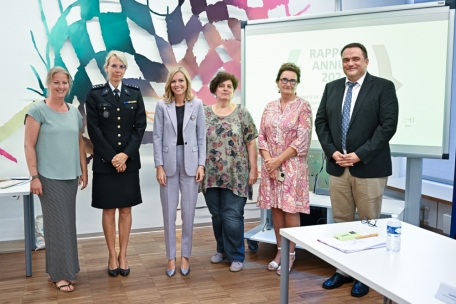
(283, 141)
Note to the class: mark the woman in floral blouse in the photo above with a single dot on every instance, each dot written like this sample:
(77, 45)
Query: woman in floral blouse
(231, 169)
(284, 140)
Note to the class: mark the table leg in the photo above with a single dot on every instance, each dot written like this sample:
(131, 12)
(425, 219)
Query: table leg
(32, 223)
(284, 274)
(27, 236)
(329, 216)
(387, 301)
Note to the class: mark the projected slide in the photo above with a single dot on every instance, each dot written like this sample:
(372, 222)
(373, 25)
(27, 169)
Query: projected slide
(410, 53)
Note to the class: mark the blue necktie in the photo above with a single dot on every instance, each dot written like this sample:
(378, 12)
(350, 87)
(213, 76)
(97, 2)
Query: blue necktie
(346, 114)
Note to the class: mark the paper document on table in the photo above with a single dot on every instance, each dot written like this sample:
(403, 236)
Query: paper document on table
(354, 245)
(9, 183)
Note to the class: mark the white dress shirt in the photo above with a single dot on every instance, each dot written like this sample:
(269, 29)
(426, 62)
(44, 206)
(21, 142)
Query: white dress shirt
(355, 92)
(119, 87)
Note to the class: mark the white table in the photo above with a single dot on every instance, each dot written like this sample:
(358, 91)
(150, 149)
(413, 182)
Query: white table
(29, 220)
(411, 276)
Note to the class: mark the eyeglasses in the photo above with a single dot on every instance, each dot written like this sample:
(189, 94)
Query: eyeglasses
(115, 66)
(370, 223)
(286, 80)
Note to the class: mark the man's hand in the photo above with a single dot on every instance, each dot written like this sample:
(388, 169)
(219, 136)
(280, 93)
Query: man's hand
(347, 160)
(338, 156)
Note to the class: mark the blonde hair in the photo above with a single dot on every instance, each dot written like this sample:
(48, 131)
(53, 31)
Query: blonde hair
(169, 95)
(55, 70)
(120, 55)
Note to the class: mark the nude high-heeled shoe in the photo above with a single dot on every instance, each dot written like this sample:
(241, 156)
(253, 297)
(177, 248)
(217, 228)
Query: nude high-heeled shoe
(171, 272)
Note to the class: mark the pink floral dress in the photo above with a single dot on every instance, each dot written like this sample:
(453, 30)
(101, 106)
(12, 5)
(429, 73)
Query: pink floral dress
(278, 131)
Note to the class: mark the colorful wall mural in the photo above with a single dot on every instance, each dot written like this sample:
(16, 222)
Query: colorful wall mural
(202, 35)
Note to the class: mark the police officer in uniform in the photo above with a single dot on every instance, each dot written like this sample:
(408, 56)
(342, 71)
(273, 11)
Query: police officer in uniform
(116, 121)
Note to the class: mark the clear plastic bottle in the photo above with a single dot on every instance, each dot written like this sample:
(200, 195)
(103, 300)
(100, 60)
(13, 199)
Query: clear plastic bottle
(393, 229)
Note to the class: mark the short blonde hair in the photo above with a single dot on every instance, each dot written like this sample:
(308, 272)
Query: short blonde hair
(120, 55)
(169, 95)
(55, 70)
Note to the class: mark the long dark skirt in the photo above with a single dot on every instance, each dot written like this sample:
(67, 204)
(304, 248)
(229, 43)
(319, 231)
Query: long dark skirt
(117, 190)
(58, 203)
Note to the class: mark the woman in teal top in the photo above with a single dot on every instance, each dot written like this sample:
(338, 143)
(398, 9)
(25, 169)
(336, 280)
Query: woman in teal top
(56, 160)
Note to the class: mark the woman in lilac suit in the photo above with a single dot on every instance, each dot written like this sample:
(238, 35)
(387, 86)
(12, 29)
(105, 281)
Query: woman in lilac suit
(180, 156)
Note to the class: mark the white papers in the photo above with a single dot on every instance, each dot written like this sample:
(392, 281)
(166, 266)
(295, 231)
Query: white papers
(9, 183)
(354, 245)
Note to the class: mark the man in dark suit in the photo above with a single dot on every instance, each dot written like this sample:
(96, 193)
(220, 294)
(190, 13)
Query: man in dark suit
(355, 121)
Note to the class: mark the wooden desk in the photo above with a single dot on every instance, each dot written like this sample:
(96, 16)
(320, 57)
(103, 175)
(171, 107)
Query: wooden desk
(29, 220)
(413, 275)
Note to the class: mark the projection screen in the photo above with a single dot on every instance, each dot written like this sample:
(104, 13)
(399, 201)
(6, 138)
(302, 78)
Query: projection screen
(411, 45)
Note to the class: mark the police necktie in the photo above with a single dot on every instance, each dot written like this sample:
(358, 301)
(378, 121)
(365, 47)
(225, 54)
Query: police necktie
(346, 114)
(116, 95)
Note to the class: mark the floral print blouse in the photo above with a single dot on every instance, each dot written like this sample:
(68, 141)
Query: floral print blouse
(227, 160)
(278, 131)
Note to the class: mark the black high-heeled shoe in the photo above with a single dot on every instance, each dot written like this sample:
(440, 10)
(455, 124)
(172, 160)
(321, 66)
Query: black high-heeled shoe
(123, 272)
(113, 272)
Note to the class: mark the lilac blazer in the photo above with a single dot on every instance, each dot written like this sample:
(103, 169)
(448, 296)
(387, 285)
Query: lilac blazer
(165, 136)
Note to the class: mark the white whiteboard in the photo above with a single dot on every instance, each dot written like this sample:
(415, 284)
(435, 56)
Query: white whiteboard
(411, 47)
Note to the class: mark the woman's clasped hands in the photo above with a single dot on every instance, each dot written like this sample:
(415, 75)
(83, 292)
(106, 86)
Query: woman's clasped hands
(118, 162)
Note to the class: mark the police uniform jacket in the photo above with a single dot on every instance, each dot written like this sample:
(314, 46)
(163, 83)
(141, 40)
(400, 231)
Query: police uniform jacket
(115, 127)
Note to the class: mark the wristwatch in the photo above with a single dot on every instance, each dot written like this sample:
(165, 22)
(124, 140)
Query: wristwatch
(34, 176)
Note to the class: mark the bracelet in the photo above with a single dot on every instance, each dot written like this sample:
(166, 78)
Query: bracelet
(34, 176)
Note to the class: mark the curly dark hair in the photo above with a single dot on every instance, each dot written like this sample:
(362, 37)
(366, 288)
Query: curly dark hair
(289, 66)
(222, 77)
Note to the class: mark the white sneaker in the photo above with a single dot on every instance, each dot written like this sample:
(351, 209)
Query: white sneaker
(217, 258)
(236, 266)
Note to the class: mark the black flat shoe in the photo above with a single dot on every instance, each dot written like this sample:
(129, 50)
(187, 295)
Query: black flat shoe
(336, 281)
(124, 272)
(359, 289)
(113, 272)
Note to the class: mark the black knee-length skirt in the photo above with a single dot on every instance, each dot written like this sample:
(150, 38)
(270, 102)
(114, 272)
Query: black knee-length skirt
(116, 190)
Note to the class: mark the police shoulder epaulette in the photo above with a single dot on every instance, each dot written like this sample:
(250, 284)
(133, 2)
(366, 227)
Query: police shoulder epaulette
(132, 86)
(97, 86)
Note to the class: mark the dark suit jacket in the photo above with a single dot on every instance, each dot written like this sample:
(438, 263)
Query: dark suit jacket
(115, 128)
(372, 125)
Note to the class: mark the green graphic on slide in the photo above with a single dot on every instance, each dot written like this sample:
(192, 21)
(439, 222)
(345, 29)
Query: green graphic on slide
(384, 65)
(294, 56)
